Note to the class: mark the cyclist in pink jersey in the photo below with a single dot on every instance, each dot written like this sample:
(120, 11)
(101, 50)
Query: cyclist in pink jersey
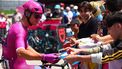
(17, 50)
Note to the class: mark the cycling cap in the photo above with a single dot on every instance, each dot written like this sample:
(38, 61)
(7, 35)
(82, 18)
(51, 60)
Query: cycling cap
(33, 6)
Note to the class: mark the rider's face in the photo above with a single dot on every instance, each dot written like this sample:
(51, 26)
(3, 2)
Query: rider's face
(35, 18)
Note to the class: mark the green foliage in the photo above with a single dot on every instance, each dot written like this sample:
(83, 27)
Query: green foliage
(7, 11)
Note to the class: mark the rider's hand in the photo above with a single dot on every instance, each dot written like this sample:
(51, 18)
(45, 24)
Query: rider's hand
(51, 58)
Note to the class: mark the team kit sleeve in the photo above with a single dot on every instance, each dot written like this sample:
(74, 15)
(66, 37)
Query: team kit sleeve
(20, 42)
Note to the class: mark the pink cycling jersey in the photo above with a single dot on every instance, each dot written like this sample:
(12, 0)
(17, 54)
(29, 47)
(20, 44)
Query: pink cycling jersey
(17, 38)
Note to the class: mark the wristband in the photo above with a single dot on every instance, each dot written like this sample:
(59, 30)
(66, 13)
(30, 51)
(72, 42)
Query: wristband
(96, 58)
(42, 57)
(91, 50)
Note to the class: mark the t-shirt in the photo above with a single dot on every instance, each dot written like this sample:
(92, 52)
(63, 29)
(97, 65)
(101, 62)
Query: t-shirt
(116, 64)
(85, 30)
(17, 38)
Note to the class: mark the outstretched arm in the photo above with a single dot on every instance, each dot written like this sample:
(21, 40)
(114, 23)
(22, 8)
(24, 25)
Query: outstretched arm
(29, 53)
(105, 39)
(108, 54)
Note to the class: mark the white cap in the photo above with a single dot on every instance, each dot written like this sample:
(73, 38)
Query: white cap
(76, 7)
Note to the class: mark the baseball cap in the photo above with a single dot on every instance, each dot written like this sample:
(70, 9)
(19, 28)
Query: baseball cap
(75, 21)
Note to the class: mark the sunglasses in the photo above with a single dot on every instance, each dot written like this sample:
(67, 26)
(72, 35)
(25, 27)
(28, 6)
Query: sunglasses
(36, 15)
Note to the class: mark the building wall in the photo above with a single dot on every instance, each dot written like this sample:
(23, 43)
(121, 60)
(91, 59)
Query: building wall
(10, 4)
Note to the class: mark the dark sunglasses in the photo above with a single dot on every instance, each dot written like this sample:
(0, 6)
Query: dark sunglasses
(36, 15)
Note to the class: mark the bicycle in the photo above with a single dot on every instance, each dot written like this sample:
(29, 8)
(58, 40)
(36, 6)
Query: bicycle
(44, 41)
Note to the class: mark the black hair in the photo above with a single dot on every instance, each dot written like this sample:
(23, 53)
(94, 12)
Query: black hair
(114, 5)
(87, 6)
(113, 18)
(75, 21)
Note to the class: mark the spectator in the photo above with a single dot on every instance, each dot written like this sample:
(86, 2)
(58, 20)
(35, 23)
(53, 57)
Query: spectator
(62, 5)
(16, 17)
(72, 7)
(67, 15)
(99, 7)
(56, 11)
(89, 24)
(75, 29)
(75, 26)
(75, 12)
(3, 22)
(48, 13)
(2, 17)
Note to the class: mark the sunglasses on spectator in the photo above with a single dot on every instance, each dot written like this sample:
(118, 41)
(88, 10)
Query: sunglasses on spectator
(36, 15)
